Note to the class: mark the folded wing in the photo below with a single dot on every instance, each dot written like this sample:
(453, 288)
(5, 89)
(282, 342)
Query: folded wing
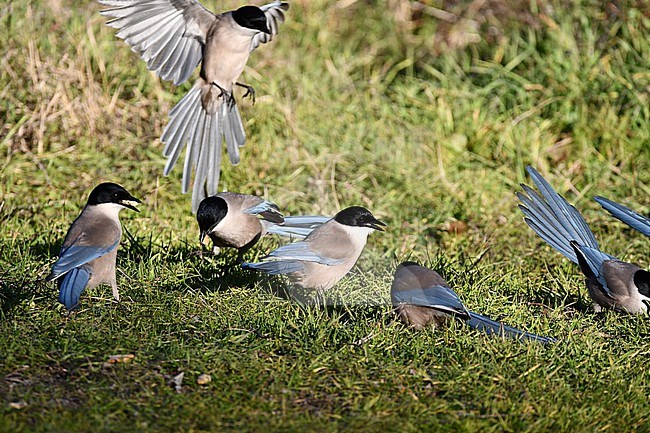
(298, 226)
(75, 256)
(267, 210)
(437, 297)
(72, 286)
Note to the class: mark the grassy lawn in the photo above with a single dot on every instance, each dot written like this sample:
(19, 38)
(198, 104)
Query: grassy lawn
(426, 115)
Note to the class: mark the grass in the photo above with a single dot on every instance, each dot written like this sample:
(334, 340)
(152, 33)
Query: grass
(429, 123)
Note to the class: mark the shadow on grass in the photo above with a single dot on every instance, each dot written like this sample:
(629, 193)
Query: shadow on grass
(551, 292)
(13, 293)
(20, 282)
(47, 250)
(206, 272)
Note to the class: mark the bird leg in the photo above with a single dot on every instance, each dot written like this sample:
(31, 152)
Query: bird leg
(250, 91)
(116, 294)
(227, 96)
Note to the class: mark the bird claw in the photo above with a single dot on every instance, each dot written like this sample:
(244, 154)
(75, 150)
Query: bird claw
(228, 97)
(250, 91)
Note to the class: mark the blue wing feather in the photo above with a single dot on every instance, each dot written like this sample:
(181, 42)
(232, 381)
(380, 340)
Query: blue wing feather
(437, 297)
(290, 258)
(77, 255)
(625, 214)
(73, 284)
(300, 251)
(298, 226)
(554, 219)
(276, 267)
(264, 206)
(564, 212)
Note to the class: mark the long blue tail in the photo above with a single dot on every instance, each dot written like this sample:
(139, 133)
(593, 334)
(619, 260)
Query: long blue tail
(553, 218)
(491, 327)
(72, 286)
(625, 214)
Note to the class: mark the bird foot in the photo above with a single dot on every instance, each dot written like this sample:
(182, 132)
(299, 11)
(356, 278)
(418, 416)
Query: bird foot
(250, 91)
(227, 96)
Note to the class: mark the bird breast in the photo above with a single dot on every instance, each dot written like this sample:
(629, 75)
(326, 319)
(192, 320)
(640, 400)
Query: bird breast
(226, 52)
(237, 231)
(103, 269)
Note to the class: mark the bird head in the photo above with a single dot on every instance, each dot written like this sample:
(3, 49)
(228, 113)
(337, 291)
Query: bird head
(642, 282)
(251, 17)
(210, 213)
(109, 192)
(357, 216)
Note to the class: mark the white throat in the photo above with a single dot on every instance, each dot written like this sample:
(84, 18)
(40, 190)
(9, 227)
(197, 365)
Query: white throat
(111, 210)
(358, 235)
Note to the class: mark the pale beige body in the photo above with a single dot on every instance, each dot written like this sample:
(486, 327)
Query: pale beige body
(98, 226)
(227, 49)
(238, 229)
(334, 241)
(625, 295)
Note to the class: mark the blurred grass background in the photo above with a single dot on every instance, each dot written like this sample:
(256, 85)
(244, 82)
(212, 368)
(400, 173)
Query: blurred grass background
(424, 112)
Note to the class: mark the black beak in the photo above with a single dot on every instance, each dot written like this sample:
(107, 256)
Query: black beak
(205, 233)
(376, 225)
(130, 202)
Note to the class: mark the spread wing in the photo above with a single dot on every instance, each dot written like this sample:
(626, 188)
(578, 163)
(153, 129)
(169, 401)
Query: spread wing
(167, 34)
(274, 17)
